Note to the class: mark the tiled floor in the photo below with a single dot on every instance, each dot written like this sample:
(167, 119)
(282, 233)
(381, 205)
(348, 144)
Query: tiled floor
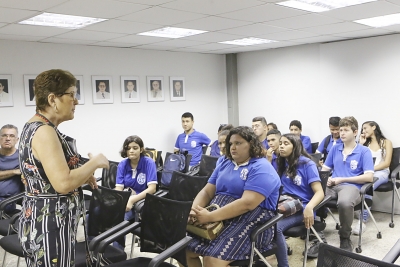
(371, 246)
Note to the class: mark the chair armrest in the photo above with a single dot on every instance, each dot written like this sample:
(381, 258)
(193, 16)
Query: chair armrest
(160, 258)
(393, 253)
(105, 242)
(322, 203)
(11, 199)
(394, 173)
(14, 218)
(258, 230)
(95, 241)
(367, 186)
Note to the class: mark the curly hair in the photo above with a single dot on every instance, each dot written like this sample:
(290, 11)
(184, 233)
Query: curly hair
(54, 81)
(293, 158)
(256, 148)
(128, 140)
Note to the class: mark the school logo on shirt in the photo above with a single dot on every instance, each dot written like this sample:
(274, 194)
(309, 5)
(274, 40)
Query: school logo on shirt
(297, 180)
(243, 174)
(353, 164)
(141, 179)
(193, 144)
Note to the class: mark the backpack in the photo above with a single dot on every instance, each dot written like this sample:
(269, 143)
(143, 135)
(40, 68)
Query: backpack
(151, 153)
(327, 140)
(174, 162)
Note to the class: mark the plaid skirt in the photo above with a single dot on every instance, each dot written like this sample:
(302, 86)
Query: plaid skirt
(233, 243)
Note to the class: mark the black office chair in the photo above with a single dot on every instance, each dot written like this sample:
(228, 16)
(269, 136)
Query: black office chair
(206, 166)
(393, 184)
(162, 230)
(314, 147)
(316, 157)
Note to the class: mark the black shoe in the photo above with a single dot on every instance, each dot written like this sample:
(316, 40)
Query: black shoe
(345, 243)
(313, 250)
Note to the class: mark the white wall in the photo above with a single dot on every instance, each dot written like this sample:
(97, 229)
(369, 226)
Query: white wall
(104, 127)
(311, 83)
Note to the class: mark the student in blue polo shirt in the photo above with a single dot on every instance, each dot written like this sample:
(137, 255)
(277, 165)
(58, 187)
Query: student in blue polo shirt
(260, 128)
(136, 173)
(215, 146)
(300, 178)
(295, 127)
(332, 139)
(352, 166)
(191, 140)
(273, 137)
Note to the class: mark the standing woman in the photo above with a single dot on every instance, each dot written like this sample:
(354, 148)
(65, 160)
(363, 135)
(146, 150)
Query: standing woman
(49, 164)
(136, 173)
(300, 178)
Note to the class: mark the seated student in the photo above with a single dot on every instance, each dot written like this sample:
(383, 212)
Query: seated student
(273, 137)
(221, 142)
(352, 167)
(215, 151)
(296, 128)
(246, 188)
(334, 138)
(382, 150)
(300, 178)
(136, 173)
(259, 126)
(271, 126)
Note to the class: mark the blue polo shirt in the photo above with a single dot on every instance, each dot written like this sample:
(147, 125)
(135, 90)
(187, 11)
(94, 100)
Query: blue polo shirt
(330, 144)
(357, 163)
(306, 143)
(145, 174)
(265, 143)
(12, 185)
(215, 152)
(274, 161)
(257, 175)
(193, 143)
(300, 186)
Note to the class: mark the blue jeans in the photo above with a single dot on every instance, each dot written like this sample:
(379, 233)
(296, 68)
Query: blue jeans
(281, 226)
(10, 207)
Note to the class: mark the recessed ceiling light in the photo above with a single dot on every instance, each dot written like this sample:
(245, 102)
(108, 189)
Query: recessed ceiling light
(61, 21)
(248, 41)
(381, 21)
(321, 5)
(171, 32)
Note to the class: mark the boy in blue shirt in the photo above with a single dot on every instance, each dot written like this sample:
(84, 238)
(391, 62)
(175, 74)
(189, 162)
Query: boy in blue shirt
(331, 140)
(273, 137)
(295, 127)
(191, 140)
(352, 167)
(260, 128)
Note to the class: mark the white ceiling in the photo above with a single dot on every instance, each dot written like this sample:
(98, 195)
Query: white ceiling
(224, 19)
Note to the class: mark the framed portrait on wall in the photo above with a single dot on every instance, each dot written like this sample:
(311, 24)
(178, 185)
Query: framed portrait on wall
(177, 88)
(130, 92)
(29, 90)
(80, 93)
(6, 94)
(102, 89)
(155, 90)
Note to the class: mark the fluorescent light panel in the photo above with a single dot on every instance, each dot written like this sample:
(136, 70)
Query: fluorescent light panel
(381, 21)
(248, 41)
(321, 5)
(61, 21)
(171, 32)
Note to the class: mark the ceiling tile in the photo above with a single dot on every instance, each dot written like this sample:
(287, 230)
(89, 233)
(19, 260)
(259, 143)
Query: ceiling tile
(15, 15)
(38, 5)
(111, 44)
(211, 7)
(363, 11)
(90, 35)
(303, 21)
(162, 16)
(364, 33)
(20, 37)
(264, 13)
(180, 43)
(147, 2)
(138, 39)
(337, 28)
(319, 39)
(105, 9)
(19, 29)
(212, 23)
(397, 2)
(213, 46)
(152, 47)
(395, 28)
(122, 26)
(288, 35)
(65, 41)
(187, 49)
(212, 37)
(254, 29)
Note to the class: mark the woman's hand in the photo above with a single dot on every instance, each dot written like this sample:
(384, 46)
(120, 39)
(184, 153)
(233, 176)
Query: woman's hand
(92, 182)
(132, 200)
(308, 217)
(334, 181)
(362, 139)
(101, 160)
(202, 215)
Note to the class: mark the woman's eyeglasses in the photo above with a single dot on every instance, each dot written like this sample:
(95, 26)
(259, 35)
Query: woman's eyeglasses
(72, 94)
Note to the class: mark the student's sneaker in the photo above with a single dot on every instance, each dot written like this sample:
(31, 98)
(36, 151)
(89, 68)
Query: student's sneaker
(356, 228)
(314, 248)
(346, 244)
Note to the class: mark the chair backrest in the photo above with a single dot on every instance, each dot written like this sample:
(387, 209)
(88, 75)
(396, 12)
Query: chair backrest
(109, 176)
(330, 256)
(159, 159)
(314, 147)
(185, 187)
(207, 165)
(395, 158)
(324, 175)
(316, 157)
(107, 209)
(204, 149)
(163, 224)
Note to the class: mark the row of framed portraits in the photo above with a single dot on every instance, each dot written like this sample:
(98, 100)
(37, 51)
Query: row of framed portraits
(102, 89)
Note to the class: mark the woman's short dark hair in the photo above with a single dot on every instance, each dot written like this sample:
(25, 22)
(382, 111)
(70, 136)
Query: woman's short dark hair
(292, 159)
(128, 140)
(256, 148)
(54, 81)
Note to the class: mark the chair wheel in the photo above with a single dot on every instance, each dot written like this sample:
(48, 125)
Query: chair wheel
(358, 250)
(391, 225)
(289, 251)
(337, 226)
(379, 235)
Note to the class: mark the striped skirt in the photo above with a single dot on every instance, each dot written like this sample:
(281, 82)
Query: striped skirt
(233, 243)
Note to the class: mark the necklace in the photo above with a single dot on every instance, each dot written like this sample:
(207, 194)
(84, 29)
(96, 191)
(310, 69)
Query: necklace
(44, 118)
